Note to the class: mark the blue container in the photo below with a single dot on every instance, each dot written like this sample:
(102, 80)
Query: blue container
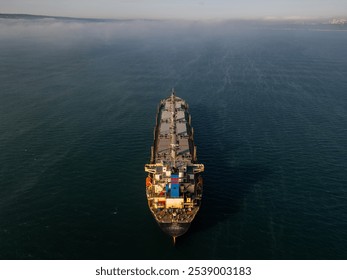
(175, 186)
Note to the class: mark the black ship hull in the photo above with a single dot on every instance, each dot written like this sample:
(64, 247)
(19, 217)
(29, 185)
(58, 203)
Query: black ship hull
(173, 184)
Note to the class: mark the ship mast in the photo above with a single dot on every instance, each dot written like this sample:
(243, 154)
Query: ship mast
(173, 129)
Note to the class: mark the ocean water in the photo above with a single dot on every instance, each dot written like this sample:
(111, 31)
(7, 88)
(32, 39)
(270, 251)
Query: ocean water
(77, 110)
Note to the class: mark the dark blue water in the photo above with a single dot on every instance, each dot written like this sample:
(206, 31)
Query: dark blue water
(77, 111)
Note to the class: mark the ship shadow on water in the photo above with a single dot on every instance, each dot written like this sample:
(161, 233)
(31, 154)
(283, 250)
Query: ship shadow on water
(225, 198)
(226, 184)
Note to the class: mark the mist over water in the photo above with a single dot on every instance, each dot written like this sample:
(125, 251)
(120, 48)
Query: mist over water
(77, 110)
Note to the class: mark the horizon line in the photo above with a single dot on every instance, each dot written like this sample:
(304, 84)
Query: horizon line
(265, 18)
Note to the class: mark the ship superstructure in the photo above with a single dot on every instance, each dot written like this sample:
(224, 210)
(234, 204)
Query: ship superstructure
(174, 185)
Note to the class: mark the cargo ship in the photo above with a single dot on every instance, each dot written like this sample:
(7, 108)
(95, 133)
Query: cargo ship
(174, 185)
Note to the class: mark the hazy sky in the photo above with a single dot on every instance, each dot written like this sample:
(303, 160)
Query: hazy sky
(186, 9)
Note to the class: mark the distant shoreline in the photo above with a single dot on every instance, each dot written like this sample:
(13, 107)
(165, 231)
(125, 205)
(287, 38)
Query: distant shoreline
(270, 21)
(34, 17)
(331, 20)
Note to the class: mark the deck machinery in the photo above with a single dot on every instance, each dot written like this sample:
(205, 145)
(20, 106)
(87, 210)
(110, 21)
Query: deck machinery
(174, 185)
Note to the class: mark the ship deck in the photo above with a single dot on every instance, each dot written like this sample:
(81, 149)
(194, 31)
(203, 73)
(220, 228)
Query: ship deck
(185, 147)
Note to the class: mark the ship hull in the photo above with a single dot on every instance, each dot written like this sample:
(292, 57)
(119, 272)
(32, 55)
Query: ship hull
(174, 185)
